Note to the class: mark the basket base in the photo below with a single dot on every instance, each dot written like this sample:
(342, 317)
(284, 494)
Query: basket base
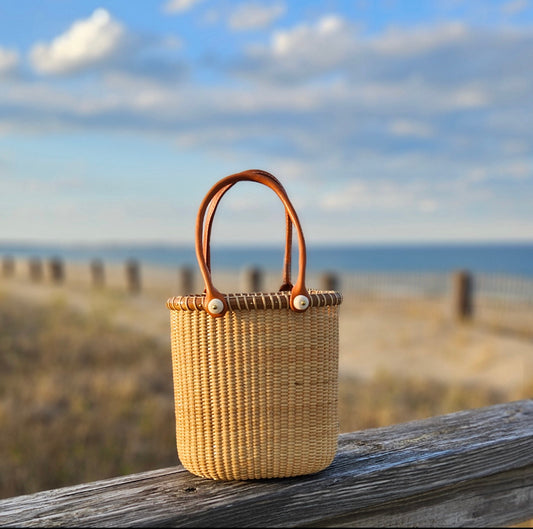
(250, 473)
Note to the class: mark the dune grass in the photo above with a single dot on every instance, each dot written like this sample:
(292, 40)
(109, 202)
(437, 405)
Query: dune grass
(81, 399)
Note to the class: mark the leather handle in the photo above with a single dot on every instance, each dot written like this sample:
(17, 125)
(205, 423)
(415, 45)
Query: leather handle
(215, 303)
(208, 225)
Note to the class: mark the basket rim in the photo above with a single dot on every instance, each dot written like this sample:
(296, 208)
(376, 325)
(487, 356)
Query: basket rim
(255, 300)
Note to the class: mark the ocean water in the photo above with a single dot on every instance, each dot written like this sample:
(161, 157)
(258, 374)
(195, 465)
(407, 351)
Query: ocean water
(514, 259)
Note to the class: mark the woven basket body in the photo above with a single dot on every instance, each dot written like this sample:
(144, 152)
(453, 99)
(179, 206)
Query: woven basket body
(256, 390)
(255, 375)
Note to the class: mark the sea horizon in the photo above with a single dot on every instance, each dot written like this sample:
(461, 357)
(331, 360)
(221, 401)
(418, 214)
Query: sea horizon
(505, 257)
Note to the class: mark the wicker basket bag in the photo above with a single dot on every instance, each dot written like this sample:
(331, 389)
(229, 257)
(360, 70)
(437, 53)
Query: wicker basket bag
(255, 374)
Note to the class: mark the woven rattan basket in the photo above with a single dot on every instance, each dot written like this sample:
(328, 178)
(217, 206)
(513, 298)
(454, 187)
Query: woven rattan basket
(255, 374)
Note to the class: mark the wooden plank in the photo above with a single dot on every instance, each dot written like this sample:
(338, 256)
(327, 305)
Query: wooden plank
(471, 468)
(475, 503)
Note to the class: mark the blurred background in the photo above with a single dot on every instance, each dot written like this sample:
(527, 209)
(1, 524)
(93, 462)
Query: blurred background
(402, 133)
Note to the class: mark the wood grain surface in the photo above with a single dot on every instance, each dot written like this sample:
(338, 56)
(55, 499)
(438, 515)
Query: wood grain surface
(471, 468)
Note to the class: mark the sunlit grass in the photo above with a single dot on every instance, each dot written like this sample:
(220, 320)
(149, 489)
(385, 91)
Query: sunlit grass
(79, 400)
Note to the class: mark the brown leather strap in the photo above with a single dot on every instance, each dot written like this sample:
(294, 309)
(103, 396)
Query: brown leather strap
(212, 294)
(287, 261)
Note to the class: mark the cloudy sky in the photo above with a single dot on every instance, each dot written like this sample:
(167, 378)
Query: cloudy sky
(387, 121)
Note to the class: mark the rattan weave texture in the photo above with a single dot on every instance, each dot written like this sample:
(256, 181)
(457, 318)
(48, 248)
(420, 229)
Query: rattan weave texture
(256, 391)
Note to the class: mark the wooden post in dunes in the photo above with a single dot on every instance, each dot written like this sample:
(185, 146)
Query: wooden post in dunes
(8, 266)
(329, 281)
(252, 279)
(97, 273)
(57, 270)
(462, 295)
(35, 267)
(133, 276)
(186, 280)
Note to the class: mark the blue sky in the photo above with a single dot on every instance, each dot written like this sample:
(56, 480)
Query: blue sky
(387, 121)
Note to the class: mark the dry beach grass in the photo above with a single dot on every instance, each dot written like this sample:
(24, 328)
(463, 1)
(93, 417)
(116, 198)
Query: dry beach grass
(86, 387)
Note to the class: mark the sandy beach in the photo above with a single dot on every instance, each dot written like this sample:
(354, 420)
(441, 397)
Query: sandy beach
(409, 336)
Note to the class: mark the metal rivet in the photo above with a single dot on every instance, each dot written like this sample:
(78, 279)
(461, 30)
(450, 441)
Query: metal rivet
(215, 306)
(301, 302)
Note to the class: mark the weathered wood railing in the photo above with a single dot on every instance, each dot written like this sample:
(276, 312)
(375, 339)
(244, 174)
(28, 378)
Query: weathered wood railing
(471, 468)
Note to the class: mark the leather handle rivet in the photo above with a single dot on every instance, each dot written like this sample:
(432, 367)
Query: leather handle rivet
(301, 302)
(215, 306)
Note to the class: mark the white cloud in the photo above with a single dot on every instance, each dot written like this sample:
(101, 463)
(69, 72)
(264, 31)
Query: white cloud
(427, 205)
(411, 41)
(179, 6)
(334, 43)
(514, 7)
(515, 147)
(86, 43)
(444, 55)
(470, 97)
(519, 170)
(9, 60)
(412, 128)
(327, 42)
(249, 16)
(499, 172)
(304, 52)
(383, 195)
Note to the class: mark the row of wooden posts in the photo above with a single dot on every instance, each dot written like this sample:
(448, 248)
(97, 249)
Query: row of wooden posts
(462, 294)
(57, 274)
(253, 277)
